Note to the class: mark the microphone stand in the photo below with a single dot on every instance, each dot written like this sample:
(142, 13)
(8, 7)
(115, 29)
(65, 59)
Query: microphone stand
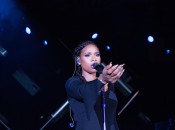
(104, 108)
(99, 69)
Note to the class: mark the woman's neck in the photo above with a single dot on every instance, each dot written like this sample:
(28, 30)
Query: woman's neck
(89, 77)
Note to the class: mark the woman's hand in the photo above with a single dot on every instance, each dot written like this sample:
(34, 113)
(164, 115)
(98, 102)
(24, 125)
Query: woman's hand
(111, 73)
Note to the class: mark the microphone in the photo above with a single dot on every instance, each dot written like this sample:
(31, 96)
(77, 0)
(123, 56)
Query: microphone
(99, 67)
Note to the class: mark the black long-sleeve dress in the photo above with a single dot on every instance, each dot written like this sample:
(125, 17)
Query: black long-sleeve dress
(86, 103)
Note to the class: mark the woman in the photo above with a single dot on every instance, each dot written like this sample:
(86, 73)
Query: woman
(84, 90)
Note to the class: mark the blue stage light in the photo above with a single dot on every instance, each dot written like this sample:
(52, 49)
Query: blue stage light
(95, 35)
(168, 51)
(150, 39)
(28, 30)
(45, 43)
(108, 47)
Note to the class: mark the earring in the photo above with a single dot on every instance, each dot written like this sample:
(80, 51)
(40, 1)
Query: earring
(78, 61)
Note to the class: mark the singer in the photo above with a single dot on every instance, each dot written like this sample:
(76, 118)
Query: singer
(84, 90)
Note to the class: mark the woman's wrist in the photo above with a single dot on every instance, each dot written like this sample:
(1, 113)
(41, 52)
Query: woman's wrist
(101, 80)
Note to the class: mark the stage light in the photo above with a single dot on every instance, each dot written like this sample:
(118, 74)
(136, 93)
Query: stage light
(45, 43)
(108, 47)
(168, 51)
(28, 30)
(150, 39)
(95, 35)
(3, 52)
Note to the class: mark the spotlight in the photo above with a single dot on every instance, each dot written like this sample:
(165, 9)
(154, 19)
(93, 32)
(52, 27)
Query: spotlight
(95, 35)
(28, 30)
(3, 52)
(168, 51)
(45, 43)
(108, 47)
(150, 39)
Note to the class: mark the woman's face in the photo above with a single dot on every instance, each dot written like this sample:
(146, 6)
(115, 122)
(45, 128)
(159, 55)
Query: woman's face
(88, 56)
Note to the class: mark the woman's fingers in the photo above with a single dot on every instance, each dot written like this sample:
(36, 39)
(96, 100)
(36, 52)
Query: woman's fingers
(117, 70)
(112, 73)
(111, 69)
(109, 66)
(116, 73)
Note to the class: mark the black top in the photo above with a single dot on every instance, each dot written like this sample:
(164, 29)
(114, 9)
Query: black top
(86, 102)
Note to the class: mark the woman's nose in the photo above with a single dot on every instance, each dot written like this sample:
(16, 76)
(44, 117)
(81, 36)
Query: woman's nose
(94, 58)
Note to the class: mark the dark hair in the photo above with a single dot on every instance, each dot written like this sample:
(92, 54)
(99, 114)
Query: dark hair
(80, 46)
(76, 54)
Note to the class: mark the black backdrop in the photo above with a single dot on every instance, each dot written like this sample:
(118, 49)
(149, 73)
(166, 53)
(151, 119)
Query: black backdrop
(124, 25)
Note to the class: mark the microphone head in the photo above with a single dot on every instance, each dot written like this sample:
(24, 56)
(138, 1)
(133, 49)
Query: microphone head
(94, 65)
(98, 67)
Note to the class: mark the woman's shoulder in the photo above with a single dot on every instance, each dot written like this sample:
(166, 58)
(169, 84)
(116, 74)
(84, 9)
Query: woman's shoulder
(74, 78)
(71, 80)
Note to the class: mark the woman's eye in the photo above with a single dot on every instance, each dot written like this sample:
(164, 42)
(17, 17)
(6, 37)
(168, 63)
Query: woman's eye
(97, 54)
(87, 55)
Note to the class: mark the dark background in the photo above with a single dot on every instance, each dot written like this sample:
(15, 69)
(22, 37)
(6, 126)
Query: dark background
(124, 25)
